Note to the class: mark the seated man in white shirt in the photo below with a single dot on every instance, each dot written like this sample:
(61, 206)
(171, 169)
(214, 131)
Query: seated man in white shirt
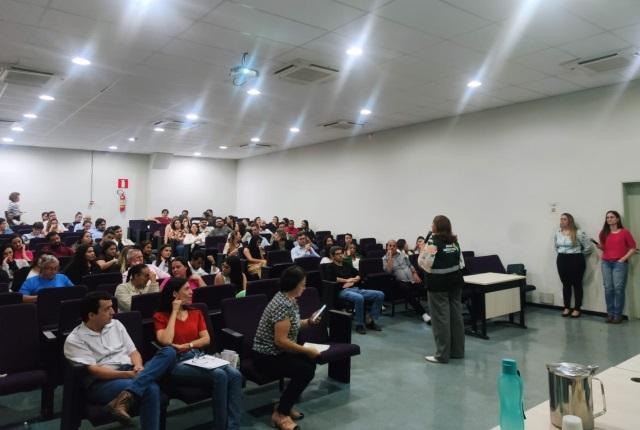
(117, 377)
(303, 247)
(134, 256)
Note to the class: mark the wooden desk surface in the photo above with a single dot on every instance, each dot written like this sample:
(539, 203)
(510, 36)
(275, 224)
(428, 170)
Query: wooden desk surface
(491, 278)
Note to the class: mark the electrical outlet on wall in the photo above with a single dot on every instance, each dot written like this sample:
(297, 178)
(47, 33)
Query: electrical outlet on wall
(554, 207)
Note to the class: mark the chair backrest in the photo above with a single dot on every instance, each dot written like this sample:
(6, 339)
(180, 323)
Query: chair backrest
(368, 266)
(33, 243)
(517, 269)
(69, 240)
(213, 241)
(278, 257)
(309, 302)
(208, 279)
(243, 315)
(10, 298)
(109, 288)
(202, 307)
(486, 263)
(4, 287)
(321, 234)
(70, 315)
(367, 241)
(146, 304)
(268, 287)
(49, 300)
(19, 338)
(375, 252)
(308, 263)
(132, 321)
(92, 281)
(19, 277)
(212, 296)
(324, 271)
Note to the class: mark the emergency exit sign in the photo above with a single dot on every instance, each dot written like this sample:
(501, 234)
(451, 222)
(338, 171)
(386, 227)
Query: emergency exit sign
(123, 183)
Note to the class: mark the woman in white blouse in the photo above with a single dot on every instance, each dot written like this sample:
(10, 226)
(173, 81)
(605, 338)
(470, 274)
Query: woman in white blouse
(571, 245)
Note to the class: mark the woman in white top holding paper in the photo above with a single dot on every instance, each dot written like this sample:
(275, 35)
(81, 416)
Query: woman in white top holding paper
(185, 329)
(571, 244)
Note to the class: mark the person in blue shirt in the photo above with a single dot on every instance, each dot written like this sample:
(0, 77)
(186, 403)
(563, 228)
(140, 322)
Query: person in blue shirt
(303, 248)
(48, 278)
(98, 231)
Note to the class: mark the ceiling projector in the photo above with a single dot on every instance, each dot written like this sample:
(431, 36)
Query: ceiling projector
(242, 73)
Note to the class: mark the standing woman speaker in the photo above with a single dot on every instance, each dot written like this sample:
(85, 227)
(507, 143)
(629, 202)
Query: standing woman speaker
(617, 247)
(571, 246)
(442, 261)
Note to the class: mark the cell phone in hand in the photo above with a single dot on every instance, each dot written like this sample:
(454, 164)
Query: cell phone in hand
(316, 315)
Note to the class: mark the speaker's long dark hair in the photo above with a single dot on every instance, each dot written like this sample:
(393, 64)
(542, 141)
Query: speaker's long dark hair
(606, 230)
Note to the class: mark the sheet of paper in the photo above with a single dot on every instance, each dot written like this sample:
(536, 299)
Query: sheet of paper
(317, 346)
(207, 362)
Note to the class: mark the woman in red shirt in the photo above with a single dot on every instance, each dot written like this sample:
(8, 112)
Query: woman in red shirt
(617, 247)
(184, 328)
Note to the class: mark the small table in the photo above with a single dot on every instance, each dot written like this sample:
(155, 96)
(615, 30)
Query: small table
(494, 295)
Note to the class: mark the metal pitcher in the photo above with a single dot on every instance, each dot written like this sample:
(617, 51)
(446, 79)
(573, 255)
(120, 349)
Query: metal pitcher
(570, 393)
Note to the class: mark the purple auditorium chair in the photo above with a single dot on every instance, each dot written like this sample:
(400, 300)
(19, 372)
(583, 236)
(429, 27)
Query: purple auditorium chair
(213, 295)
(92, 281)
(375, 278)
(240, 318)
(334, 330)
(21, 363)
(49, 300)
(268, 287)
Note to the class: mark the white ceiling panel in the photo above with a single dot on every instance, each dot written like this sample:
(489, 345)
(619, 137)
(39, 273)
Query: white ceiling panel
(374, 31)
(327, 15)
(552, 86)
(494, 10)
(555, 26)
(608, 14)
(494, 39)
(253, 21)
(432, 16)
(21, 13)
(161, 59)
(603, 43)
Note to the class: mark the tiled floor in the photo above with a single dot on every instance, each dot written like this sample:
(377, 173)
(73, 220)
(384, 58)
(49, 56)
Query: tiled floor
(393, 387)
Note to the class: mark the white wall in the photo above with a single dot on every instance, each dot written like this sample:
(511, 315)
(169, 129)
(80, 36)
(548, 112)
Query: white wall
(494, 173)
(195, 184)
(58, 179)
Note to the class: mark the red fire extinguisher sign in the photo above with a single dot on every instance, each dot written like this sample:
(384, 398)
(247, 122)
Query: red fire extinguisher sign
(123, 183)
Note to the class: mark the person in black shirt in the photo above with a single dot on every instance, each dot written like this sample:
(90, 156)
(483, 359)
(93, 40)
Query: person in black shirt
(82, 264)
(349, 279)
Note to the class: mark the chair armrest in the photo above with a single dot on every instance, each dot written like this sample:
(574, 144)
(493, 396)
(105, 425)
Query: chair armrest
(232, 340)
(266, 272)
(49, 336)
(72, 394)
(339, 326)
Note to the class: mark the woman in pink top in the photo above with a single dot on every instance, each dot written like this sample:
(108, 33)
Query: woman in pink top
(617, 247)
(180, 269)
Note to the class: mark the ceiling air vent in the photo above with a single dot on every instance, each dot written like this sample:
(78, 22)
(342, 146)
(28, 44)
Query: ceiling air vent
(304, 72)
(255, 146)
(602, 63)
(21, 76)
(174, 124)
(343, 124)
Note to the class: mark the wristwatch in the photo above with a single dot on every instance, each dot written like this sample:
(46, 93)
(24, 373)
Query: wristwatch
(190, 345)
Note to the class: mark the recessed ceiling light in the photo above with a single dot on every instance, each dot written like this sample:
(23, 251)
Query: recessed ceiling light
(17, 128)
(294, 130)
(81, 61)
(223, 147)
(7, 140)
(354, 51)
(197, 154)
(159, 129)
(365, 112)
(254, 92)
(113, 148)
(30, 115)
(255, 139)
(47, 98)
(474, 84)
(132, 139)
(192, 116)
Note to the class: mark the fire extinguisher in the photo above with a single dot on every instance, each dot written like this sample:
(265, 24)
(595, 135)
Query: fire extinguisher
(123, 200)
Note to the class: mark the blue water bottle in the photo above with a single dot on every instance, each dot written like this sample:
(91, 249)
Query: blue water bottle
(510, 390)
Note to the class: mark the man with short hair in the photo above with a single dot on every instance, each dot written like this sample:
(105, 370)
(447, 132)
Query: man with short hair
(255, 231)
(349, 280)
(117, 377)
(303, 248)
(220, 229)
(82, 226)
(108, 236)
(55, 246)
(205, 228)
(37, 232)
(48, 278)
(141, 281)
(98, 231)
(196, 263)
(119, 237)
(134, 256)
(407, 278)
(45, 217)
